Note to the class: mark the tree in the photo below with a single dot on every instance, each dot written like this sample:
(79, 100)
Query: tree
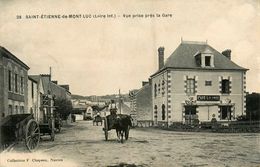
(63, 107)
(253, 106)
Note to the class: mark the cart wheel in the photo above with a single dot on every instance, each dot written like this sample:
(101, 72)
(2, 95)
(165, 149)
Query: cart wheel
(52, 135)
(106, 129)
(32, 135)
(127, 132)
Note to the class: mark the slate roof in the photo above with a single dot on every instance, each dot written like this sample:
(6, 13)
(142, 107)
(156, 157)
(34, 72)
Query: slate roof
(183, 58)
(35, 77)
(52, 87)
(144, 88)
(32, 79)
(4, 52)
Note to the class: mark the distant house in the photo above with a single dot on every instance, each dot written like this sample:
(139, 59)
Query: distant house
(197, 83)
(52, 87)
(35, 101)
(13, 84)
(141, 104)
(33, 96)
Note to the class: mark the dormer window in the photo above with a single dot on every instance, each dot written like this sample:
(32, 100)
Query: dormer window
(207, 61)
(204, 59)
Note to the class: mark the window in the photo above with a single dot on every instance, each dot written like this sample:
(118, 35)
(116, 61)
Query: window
(155, 90)
(15, 83)
(22, 85)
(16, 109)
(163, 88)
(190, 86)
(163, 112)
(207, 60)
(10, 109)
(159, 88)
(225, 112)
(225, 86)
(155, 111)
(190, 110)
(22, 109)
(10, 80)
(32, 91)
(208, 83)
(190, 114)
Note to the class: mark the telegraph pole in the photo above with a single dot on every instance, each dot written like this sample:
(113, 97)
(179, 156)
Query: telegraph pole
(119, 102)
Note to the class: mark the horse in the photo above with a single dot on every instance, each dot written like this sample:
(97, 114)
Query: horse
(97, 119)
(122, 125)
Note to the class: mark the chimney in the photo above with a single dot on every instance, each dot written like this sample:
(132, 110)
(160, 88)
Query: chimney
(227, 53)
(144, 83)
(161, 57)
(67, 87)
(56, 82)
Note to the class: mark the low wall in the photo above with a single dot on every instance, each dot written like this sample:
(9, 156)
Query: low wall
(144, 123)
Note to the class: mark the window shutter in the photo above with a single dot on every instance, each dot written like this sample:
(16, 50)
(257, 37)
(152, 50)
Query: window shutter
(230, 85)
(220, 84)
(195, 84)
(185, 83)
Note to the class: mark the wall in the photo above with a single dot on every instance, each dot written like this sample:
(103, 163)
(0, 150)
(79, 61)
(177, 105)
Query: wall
(144, 103)
(2, 79)
(32, 100)
(179, 96)
(12, 97)
(175, 96)
(160, 99)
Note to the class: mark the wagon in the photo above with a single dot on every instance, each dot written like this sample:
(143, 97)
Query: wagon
(97, 119)
(109, 121)
(47, 118)
(20, 127)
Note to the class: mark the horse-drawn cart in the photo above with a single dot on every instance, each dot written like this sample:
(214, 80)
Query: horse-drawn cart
(97, 119)
(120, 122)
(47, 118)
(20, 127)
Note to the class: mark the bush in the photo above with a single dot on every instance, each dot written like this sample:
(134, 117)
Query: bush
(63, 107)
(242, 118)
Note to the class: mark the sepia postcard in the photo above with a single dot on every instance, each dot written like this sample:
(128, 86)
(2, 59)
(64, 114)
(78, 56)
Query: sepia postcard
(129, 83)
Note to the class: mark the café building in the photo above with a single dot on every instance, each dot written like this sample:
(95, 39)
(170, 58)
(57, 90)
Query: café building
(197, 82)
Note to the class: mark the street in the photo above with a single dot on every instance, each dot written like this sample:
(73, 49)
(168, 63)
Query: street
(83, 144)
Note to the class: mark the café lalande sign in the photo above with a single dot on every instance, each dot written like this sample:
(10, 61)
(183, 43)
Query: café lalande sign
(208, 98)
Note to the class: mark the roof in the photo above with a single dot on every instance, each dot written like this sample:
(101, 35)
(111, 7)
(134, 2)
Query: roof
(52, 87)
(144, 88)
(32, 79)
(183, 58)
(35, 77)
(9, 55)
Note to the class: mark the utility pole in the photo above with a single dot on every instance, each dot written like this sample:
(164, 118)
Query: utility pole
(119, 102)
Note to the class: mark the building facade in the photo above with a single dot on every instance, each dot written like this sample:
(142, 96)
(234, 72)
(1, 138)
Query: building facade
(32, 96)
(13, 84)
(35, 96)
(197, 83)
(141, 104)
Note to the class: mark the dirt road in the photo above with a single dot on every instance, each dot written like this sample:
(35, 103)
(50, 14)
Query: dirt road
(83, 145)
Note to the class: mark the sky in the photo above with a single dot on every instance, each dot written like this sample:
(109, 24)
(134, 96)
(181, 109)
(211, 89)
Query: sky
(98, 56)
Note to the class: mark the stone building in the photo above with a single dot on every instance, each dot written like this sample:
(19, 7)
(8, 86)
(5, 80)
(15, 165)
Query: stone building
(197, 83)
(13, 84)
(141, 105)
